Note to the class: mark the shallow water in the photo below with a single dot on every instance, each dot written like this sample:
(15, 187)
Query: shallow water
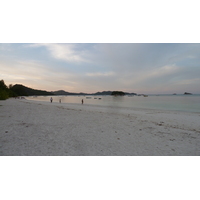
(186, 103)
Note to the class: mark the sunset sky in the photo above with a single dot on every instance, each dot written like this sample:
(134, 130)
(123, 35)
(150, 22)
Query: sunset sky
(91, 67)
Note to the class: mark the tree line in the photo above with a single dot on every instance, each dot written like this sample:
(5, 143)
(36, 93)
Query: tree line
(6, 92)
(18, 90)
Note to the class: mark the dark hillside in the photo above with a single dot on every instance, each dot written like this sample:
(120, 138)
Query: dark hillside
(118, 93)
(103, 93)
(21, 90)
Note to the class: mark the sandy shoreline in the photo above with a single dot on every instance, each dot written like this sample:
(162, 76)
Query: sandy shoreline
(41, 128)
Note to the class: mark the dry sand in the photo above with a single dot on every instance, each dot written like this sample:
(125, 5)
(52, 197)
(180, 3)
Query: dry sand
(35, 128)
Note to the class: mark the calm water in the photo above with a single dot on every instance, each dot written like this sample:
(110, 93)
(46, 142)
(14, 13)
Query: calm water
(187, 103)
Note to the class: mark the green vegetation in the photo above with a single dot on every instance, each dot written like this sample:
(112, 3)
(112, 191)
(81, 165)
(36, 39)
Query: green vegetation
(118, 93)
(18, 90)
(5, 92)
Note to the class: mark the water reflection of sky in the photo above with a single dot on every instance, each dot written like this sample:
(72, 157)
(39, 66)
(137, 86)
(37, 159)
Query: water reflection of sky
(170, 102)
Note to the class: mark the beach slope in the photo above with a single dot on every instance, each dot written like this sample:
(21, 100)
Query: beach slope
(32, 128)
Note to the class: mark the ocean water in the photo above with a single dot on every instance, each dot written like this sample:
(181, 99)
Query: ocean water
(186, 103)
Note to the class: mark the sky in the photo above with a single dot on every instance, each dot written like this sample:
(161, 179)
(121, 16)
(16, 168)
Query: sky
(150, 68)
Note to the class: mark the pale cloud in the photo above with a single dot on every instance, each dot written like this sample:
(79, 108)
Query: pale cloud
(65, 52)
(100, 74)
(163, 71)
(189, 81)
(5, 47)
(26, 69)
(139, 76)
(37, 75)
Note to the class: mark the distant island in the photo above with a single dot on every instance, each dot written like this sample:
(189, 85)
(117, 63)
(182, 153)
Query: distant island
(118, 93)
(21, 90)
(186, 93)
(62, 92)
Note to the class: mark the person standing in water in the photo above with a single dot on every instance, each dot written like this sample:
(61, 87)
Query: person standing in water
(51, 99)
(82, 101)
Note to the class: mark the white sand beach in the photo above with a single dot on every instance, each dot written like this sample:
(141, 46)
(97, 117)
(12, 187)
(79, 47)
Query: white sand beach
(32, 128)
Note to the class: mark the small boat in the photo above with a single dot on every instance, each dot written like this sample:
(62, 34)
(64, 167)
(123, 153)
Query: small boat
(145, 95)
(88, 97)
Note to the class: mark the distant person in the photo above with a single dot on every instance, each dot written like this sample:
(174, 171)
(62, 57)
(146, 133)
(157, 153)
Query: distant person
(51, 99)
(82, 101)
(60, 100)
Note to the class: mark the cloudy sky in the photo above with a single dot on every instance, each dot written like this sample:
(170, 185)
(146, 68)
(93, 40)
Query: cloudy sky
(90, 67)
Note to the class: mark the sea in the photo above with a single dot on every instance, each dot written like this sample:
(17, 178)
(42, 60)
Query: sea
(185, 103)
